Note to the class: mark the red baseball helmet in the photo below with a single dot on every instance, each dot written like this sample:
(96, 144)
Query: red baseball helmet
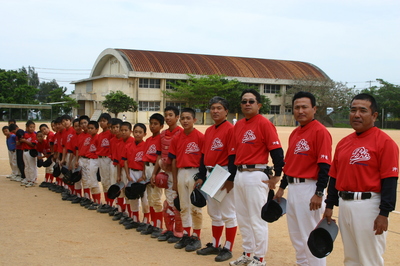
(161, 180)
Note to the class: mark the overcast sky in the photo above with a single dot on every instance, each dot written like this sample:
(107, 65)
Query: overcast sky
(353, 41)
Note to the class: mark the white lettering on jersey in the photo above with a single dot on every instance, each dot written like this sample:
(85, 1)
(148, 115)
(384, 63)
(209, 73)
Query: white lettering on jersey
(323, 156)
(152, 149)
(105, 143)
(275, 143)
(139, 156)
(359, 154)
(69, 137)
(217, 145)
(87, 141)
(395, 169)
(92, 148)
(301, 146)
(192, 147)
(249, 137)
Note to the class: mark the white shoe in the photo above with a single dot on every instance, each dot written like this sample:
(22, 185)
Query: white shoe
(10, 176)
(241, 261)
(30, 184)
(24, 182)
(256, 262)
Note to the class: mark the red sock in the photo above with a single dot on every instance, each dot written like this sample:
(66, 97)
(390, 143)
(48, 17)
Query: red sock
(78, 192)
(128, 207)
(217, 233)
(86, 193)
(248, 255)
(152, 217)
(121, 204)
(97, 198)
(46, 177)
(186, 230)
(107, 199)
(71, 188)
(197, 232)
(158, 219)
(230, 234)
(261, 259)
(51, 178)
(135, 216)
(146, 218)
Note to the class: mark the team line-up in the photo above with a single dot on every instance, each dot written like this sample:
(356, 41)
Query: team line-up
(175, 162)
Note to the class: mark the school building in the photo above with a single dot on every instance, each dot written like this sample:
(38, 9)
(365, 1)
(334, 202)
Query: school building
(143, 75)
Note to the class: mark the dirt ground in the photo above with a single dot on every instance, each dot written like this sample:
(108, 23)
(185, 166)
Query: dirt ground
(38, 228)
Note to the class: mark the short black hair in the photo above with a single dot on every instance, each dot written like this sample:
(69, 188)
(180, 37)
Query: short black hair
(252, 91)
(173, 109)
(84, 117)
(29, 122)
(369, 98)
(12, 127)
(43, 125)
(116, 121)
(222, 101)
(159, 117)
(66, 117)
(75, 120)
(57, 120)
(304, 94)
(12, 120)
(105, 116)
(127, 124)
(143, 126)
(94, 123)
(6, 127)
(189, 110)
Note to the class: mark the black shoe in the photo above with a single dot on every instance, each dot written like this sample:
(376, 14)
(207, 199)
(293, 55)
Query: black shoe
(44, 184)
(124, 218)
(77, 200)
(93, 206)
(65, 195)
(132, 225)
(113, 212)
(173, 239)
(118, 216)
(72, 197)
(156, 232)
(85, 201)
(142, 226)
(127, 221)
(148, 230)
(194, 244)
(185, 240)
(105, 208)
(224, 254)
(208, 250)
(165, 236)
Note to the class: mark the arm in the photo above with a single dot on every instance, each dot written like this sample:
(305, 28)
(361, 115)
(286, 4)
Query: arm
(323, 177)
(331, 200)
(174, 175)
(232, 168)
(156, 170)
(126, 169)
(388, 203)
(277, 159)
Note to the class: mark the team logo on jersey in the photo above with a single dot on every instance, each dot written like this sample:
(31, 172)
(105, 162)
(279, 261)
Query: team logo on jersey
(248, 137)
(105, 143)
(152, 150)
(139, 156)
(69, 137)
(217, 145)
(92, 148)
(325, 157)
(395, 169)
(301, 146)
(87, 141)
(360, 154)
(192, 148)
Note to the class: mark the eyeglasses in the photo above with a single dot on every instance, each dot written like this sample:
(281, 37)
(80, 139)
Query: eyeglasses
(249, 101)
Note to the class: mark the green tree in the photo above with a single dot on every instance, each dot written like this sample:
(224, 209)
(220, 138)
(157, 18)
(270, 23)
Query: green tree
(33, 77)
(196, 92)
(14, 87)
(118, 102)
(328, 93)
(387, 96)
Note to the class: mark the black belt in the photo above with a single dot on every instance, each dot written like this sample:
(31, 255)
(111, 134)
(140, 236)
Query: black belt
(26, 150)
(345, 195)
(84, 157)
(209, 169)
(188, 167)
(290, 179)
(135, 169)
(149, 163)
(102, 156)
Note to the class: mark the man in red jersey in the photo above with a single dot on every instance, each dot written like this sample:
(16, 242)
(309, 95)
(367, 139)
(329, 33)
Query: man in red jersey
(216, 148)
(255, 138)
(185, 152)
(307, 163)
(363, 183)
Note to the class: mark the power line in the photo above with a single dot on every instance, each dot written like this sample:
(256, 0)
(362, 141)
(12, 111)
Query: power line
(62, 69)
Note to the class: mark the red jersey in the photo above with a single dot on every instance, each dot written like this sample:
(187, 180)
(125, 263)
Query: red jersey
(308, 146)
(187, 149)
(253, 139)
(217, 144)
(92, 151)
(43, 147)
(58, 141)
(134, 153)
(67, 136)
(71, 146)
(104, 143)
(114, 141)
(83, 143)
(31, 137)
(361, 161)
(122, 148)
(153, 144)
(50, 138)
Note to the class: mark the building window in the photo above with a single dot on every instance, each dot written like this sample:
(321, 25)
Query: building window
(288, 110)
(149, 83)
(149, 106)
(177, 104)
(275, 109)
(270, 88)
(171, 82)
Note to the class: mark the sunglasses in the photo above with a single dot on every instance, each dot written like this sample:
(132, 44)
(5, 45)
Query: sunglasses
(249, 101)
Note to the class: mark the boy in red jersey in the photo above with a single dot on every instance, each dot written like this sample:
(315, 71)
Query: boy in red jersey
(154, 193)
(172, 217)
(216, 150)
(122, 145)
(76, 194)
(67, 135)
(185, 152)
(48, 179)
(28, 143)
(105, 165)
(59, 129)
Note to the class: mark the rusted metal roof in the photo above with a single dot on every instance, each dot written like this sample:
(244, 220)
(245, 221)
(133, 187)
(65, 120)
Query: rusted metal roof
(181, 63)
